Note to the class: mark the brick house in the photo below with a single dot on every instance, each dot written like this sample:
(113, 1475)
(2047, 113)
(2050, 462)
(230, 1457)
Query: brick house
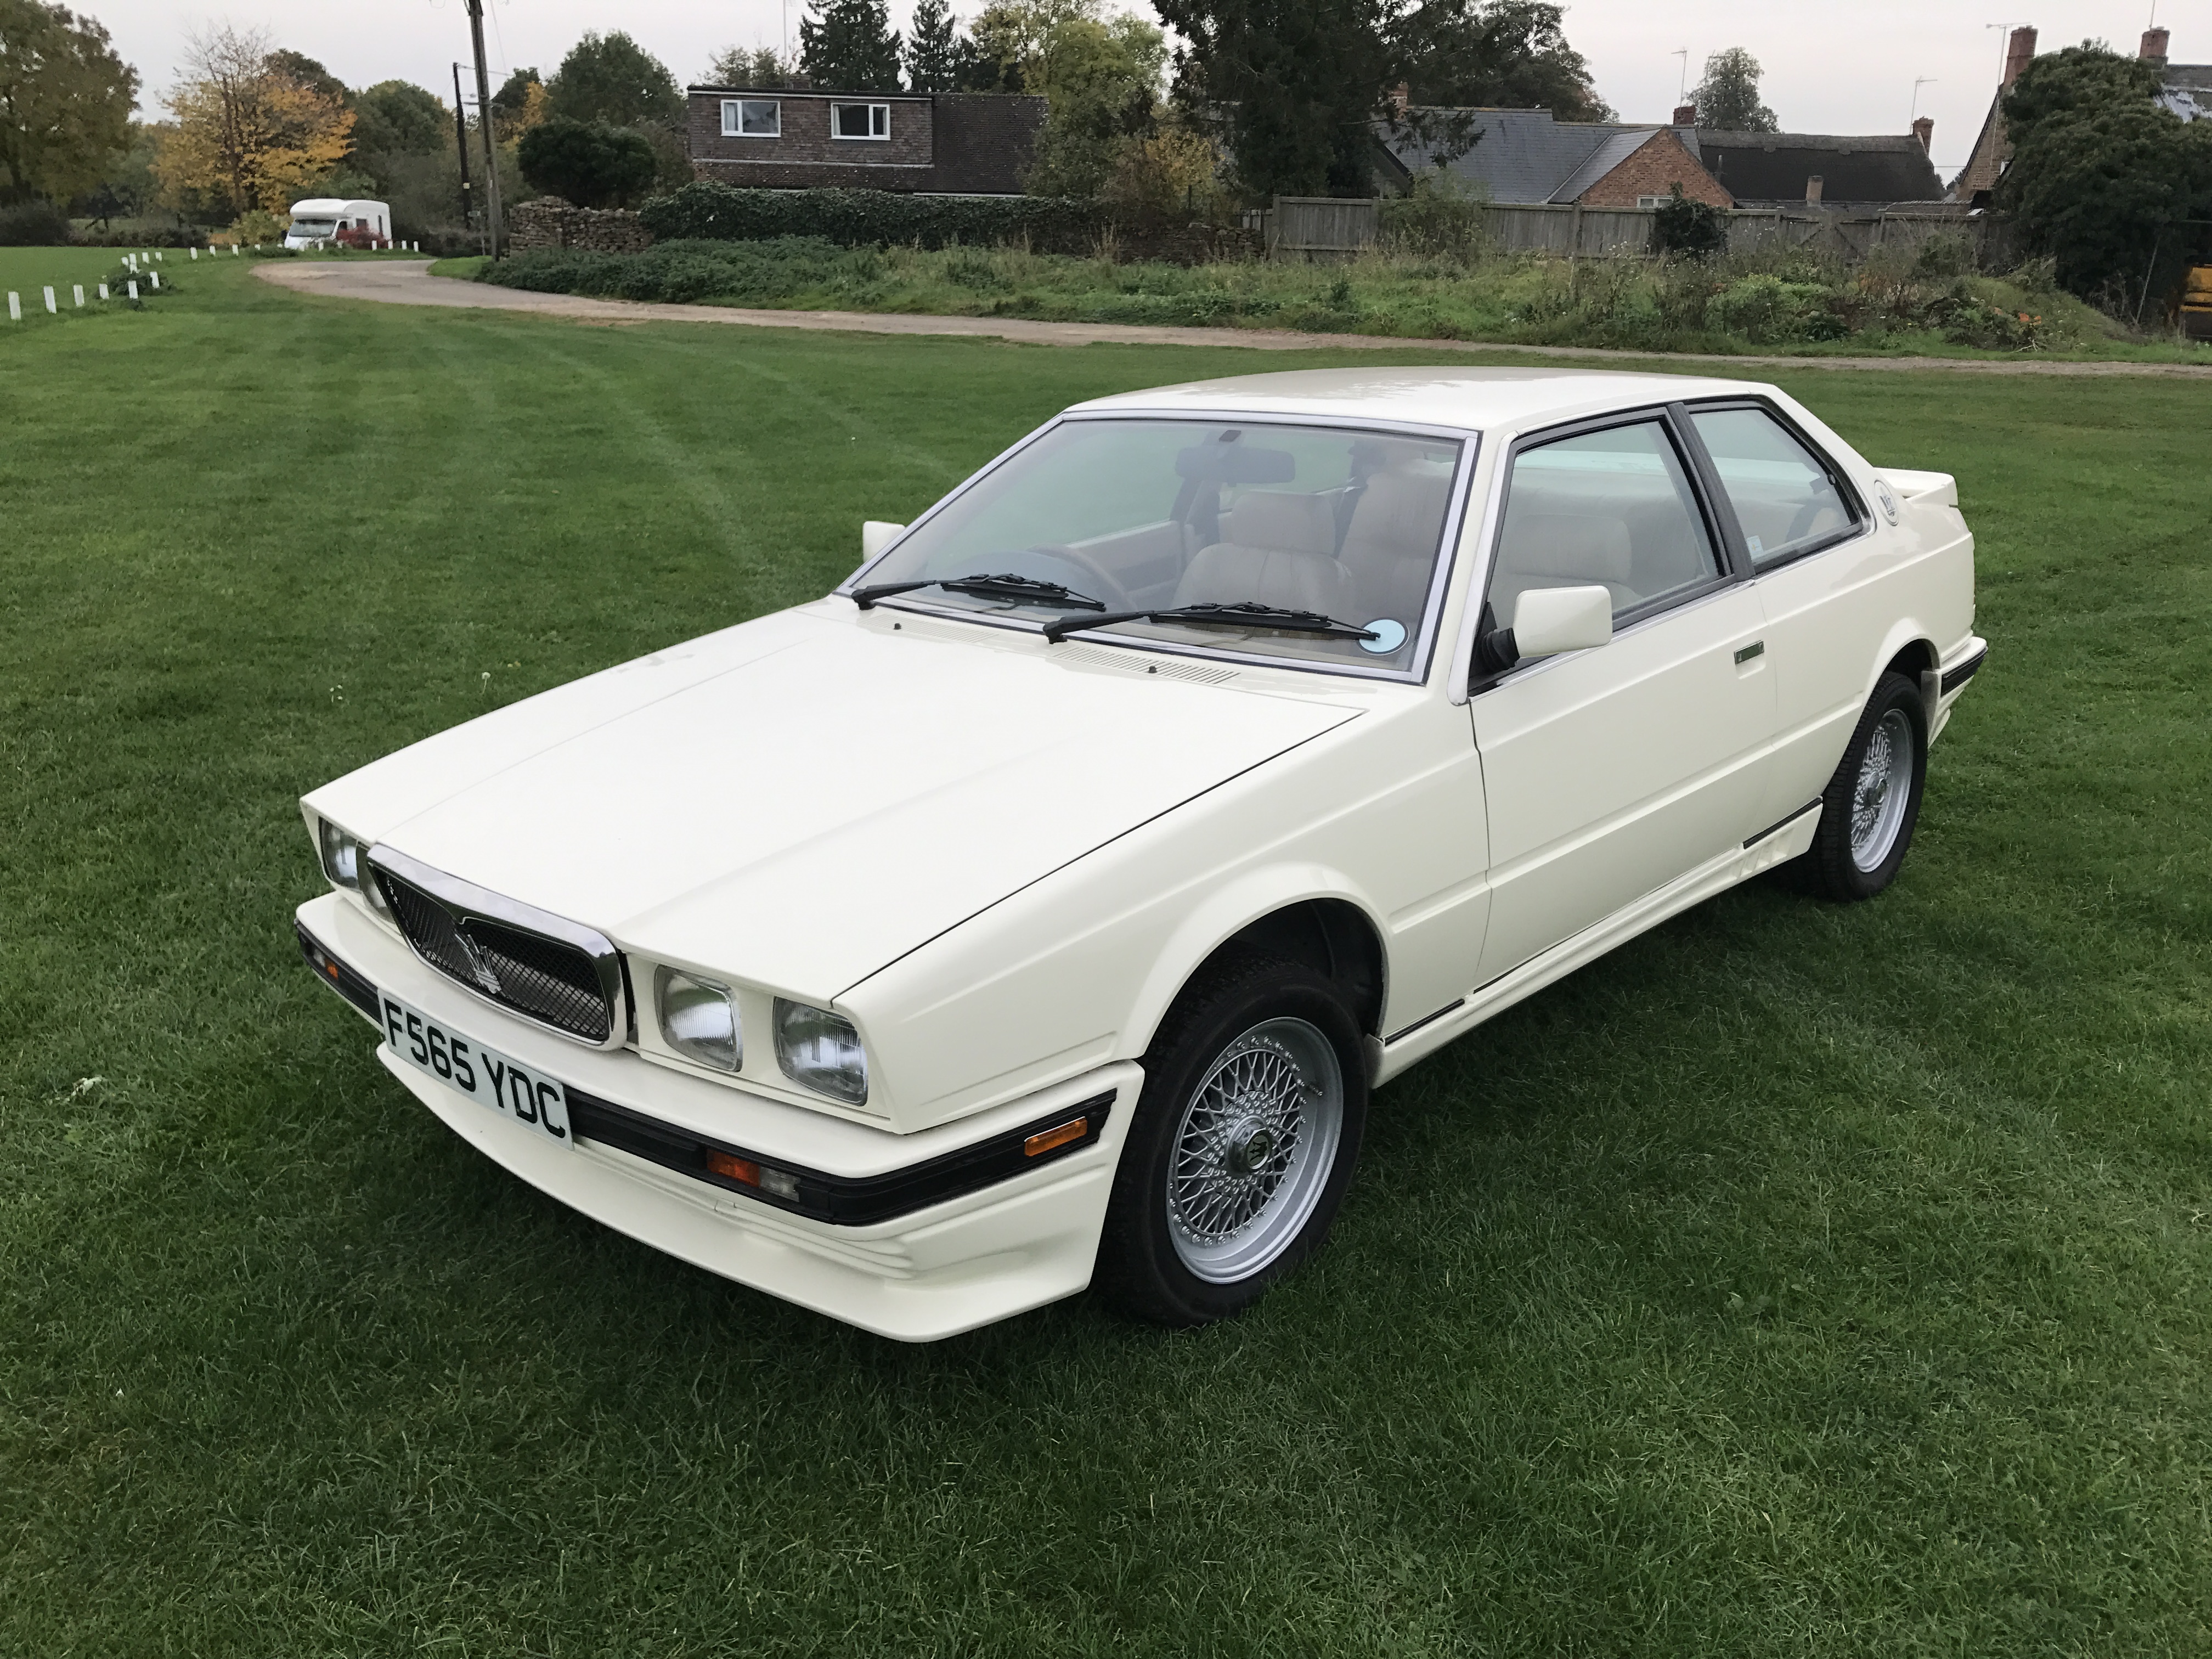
(938, 143)
(1786, 169)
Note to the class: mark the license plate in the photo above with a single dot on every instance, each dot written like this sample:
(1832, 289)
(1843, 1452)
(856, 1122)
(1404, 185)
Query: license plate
(484, 1075)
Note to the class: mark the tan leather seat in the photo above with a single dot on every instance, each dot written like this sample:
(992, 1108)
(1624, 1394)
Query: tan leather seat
(1560, 550)
(1276, 547)
(1390, 546)
(1229, 573)
(1278, 519)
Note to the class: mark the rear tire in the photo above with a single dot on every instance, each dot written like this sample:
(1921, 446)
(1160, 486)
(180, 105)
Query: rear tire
(1243, 1143)
(1873, 803)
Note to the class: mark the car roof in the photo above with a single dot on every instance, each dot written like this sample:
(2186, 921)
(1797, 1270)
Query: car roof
(1473, 399)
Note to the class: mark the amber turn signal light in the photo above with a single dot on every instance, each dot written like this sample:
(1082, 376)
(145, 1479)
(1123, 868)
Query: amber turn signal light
(734, 1169)
(1046, 1140)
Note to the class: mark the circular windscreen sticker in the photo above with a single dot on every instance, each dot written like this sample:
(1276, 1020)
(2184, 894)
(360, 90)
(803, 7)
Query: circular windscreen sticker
(1389, 634)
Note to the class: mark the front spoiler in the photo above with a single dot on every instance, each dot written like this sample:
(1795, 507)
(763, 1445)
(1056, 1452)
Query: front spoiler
(927, 1272)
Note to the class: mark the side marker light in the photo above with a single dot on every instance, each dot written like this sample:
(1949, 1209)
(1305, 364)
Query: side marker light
(1046, 1140)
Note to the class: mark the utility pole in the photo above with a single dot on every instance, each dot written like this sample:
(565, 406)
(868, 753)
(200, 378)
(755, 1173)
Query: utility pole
(461, 147)
(483, 127)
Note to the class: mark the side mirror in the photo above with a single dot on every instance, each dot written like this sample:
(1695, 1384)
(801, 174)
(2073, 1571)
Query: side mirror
(1549, 620)
(876, 536)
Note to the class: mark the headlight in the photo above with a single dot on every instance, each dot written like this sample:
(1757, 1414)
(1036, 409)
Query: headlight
(342, 856)
(698, 1018)
(345, 861)
(821, 1051)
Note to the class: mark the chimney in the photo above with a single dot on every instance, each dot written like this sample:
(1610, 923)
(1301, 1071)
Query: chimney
(1400, 95)
(1686, 115)
(2154, 46)
(1813, 188)
(1925, 130)
(2018, 53)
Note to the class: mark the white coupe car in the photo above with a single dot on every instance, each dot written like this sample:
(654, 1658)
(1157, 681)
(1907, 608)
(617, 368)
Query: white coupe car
(1042, 908)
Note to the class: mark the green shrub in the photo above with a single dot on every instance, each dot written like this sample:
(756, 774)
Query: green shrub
(678, 273)
(1437, 215)
(862, 218)
(1695, 229)
(34, 224)
(1768, 310)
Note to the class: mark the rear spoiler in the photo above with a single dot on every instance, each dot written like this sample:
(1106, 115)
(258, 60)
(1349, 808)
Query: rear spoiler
(1936, 488)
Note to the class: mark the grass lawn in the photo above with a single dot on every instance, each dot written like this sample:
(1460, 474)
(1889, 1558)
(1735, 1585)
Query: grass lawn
(1798, 1279)
(28, 270)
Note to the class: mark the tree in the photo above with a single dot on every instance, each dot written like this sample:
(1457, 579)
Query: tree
(1497, 54)
(65, 102)
(247, 132)
(592, 164)
(939, 58)
(2102, 175)
(757, 66)
(1101, 83)
(396, 118)
(848, 45)
(1294, 86)
(611, 78)
(513, 97)
(303, 70)
(1728, 97)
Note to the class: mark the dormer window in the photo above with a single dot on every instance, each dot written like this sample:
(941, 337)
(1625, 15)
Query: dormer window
(859, 120)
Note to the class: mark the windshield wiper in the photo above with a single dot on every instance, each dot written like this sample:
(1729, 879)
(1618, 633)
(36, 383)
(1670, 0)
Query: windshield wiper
(1247, 615)
(1002, 587)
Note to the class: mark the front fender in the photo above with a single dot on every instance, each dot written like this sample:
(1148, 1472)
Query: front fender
(1219, 917)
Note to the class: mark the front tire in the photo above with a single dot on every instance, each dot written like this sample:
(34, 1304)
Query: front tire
(1873, 803)
(1241, 1146)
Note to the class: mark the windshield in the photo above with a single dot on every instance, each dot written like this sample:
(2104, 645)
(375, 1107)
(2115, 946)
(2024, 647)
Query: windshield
(1150, 514)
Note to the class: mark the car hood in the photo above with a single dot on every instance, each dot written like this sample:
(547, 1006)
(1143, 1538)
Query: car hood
(802, 799)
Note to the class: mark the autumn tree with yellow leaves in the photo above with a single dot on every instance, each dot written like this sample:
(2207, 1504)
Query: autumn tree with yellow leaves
(248, 132)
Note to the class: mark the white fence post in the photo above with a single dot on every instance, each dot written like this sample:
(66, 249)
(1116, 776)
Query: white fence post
(133, 286)
(155, 278)
(103, 290)
(14, 307)
(196, 254)
(52, 310)
(77, 288)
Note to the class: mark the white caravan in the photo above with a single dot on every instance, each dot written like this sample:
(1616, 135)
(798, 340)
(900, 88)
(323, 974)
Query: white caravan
(317, 222)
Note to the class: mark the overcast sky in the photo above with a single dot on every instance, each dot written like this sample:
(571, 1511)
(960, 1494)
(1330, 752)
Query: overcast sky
(1830, 67)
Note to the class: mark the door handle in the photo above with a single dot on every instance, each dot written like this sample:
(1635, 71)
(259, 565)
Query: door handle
(1756, 648)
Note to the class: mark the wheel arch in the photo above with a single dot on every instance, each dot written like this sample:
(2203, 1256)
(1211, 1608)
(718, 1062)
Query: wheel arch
(1310, 916)
(1909, 650)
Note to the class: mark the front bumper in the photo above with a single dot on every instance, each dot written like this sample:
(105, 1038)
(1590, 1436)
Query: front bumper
(1012, 1242)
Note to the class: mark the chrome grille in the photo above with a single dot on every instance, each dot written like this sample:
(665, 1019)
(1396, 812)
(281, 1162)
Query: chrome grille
(552, 982)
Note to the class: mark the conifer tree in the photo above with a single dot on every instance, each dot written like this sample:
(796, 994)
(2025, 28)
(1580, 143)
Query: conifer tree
(848, 45)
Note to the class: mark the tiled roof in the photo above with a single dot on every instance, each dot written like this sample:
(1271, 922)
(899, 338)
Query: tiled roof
(1603, 160)
(1773, 167)
(1518, 155)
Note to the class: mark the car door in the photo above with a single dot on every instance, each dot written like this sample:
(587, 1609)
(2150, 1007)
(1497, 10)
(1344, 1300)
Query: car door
(1818, 571)
(1611, 772)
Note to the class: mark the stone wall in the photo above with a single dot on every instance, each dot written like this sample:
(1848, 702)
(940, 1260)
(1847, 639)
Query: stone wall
(548, 221)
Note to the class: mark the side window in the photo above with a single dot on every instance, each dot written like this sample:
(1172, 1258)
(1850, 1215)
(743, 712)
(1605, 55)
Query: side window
(1610, 508)
(1785, 497)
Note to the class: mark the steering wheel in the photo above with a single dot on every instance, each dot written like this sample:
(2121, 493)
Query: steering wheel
(1092, 577)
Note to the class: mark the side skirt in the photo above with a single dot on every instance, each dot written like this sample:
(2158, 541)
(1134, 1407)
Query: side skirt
(1738, 865)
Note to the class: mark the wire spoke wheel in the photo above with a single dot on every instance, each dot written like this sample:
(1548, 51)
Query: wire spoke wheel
(1255, 1147)
(1882, 790)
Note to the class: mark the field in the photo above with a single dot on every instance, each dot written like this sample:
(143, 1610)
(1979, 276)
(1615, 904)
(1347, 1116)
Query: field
(1797, 1280)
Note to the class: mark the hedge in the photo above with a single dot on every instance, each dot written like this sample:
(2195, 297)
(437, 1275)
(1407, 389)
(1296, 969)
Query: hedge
(865, 218)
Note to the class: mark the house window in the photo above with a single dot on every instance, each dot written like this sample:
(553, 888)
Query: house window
(859, 120)
(1651, 201)
(751, 117)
